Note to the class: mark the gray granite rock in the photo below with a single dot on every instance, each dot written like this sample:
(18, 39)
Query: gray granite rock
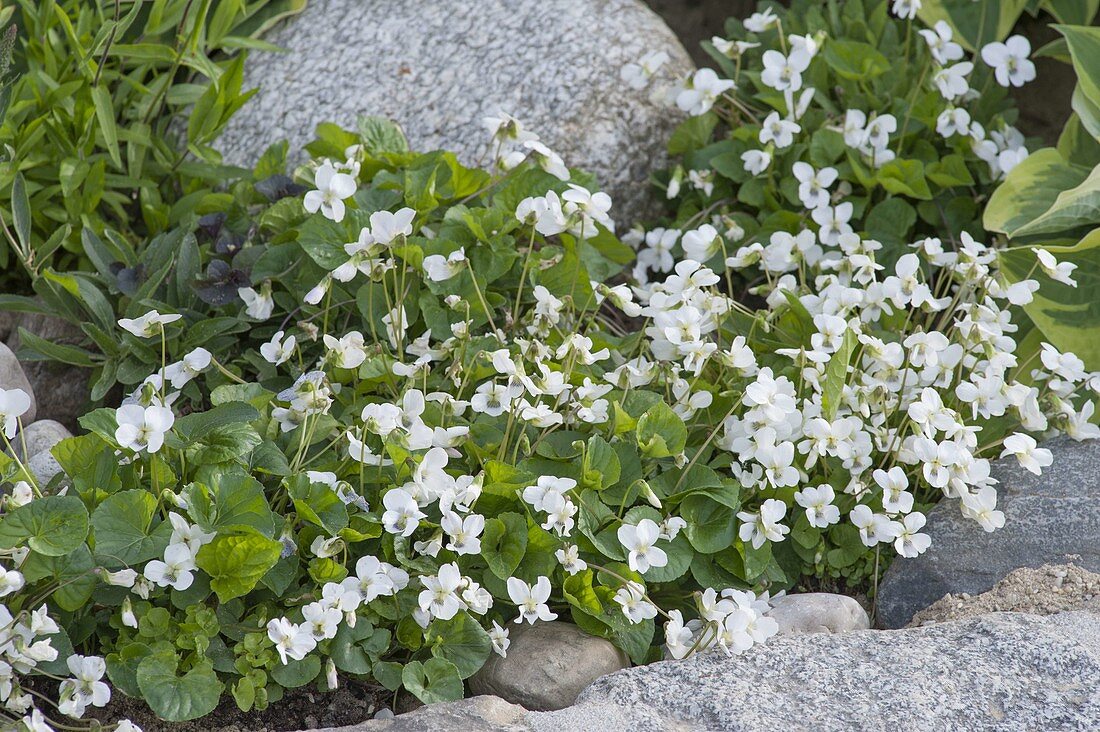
(12, 376)
(1048, 520)
(438, 67)
(39, 438)
(476, 714)
(818, 612)
(548, 664)
(61, 391)
(1004, 672)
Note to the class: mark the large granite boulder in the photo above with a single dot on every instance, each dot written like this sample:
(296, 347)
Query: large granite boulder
(439, 68)
(1007, 671)
(1049, 519)
(547, 666)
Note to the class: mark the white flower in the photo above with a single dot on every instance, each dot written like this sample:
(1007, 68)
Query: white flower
(175, 570)
(148, 325)
(10, 581)
(637, 74)
(258, 305)
(1009, 61)
(635, 607)
(547, 159)
(760, 22)
(440, 596)
(320, 621)
(953, 121)
(701, 244)
(142, 428)
(544, 212)
(14, 403)
(531, 599)
(388, 227)
(764, 525)
(179, 374)
(951, 80)
(755, 161)
(586, 209)
(813, 186)
(1023, 448)
(906, 9)
(402, 514)
(440, 268)
(85, 687)
(818, 502)
(278, 350)
(895, 497)
(1057, 271)
(332, 189)
(291, 641)
(569, 558)
(784, 73)
(779, 131)
(463, 532)
(348, 352)
(938, 37)
(499, 638)
(910, 543)
(833, 222)
(981, 507)
(639, 541)
(702, 91)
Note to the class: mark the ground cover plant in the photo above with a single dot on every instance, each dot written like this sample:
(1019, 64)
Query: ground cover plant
(379, 409)
(107, 114)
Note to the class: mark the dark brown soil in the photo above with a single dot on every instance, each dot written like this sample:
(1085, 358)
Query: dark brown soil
(300, 709)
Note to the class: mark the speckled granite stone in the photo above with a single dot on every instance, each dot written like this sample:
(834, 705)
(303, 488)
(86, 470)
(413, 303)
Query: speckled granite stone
(437, 67)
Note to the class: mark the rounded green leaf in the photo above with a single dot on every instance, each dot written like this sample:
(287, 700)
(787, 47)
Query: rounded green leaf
(52, 526)
(177, 698)
(123, 528)
(436, 680)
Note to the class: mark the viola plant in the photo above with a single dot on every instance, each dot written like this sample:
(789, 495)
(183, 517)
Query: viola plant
(885, 359)
(441, 423)
(836, 117)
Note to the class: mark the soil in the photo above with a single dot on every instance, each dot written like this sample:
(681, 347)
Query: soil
(1044, 591)
(299, 709)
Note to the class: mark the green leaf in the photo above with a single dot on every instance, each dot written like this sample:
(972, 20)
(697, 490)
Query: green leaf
(836, 374)
(21, 211)
(297, 673)
(70, 355)
(661, 432)
(462, 641)
(1069, 317)
(503, 543)
(193, 426)
(1078, 206)
(904, 177)
(711, 526)
(72, 574)
(1029, 190)
(178, 698)
(436, 680)
(692, 134)
(381, 136)
(949, 171)
(236, 502)
(1084, 50)
(123, 529)
(236, 563)
(855, 60)
(347, 649)
(679, 553)
(225, 442)
(52, 526)
(318, 504)
(105, 115)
